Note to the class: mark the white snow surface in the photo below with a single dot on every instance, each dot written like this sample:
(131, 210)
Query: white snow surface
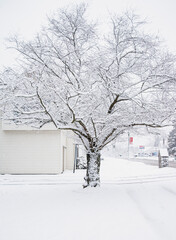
(135, 201)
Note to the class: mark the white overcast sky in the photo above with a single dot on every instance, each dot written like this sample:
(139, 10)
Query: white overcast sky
(25, 17)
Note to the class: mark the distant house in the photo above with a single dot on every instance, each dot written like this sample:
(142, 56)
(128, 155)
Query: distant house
(25, 150)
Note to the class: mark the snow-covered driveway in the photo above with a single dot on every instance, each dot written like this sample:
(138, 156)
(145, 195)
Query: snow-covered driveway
(46, 208)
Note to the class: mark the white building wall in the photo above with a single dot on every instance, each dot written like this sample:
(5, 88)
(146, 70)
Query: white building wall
(30, 152)
(63, 151)
(1, 148)
(68, 148)
(26, 151)
(70, 153)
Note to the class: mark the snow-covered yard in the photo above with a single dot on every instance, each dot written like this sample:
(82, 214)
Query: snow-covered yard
(134, 202)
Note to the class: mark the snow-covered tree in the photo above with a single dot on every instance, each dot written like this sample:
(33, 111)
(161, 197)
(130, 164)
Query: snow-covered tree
(172, 142)
(3, 88)
(96, 84)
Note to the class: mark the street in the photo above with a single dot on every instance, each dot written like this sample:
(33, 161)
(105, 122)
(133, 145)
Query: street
(152, 162)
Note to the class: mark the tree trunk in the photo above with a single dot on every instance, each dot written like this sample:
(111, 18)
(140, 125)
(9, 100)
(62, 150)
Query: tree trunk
(92, 178)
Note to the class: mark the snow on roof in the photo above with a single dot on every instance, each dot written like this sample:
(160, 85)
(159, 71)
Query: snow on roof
(163, 152)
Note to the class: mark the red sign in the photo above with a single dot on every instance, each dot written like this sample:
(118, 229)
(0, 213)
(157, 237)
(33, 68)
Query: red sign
(131, 140)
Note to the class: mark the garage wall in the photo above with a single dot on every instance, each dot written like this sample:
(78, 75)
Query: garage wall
(70, 153)
(24, 150)
(67, 142)
(30, 152)
(1, 154)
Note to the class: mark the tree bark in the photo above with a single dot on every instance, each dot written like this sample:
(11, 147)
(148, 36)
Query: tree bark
(92, 178)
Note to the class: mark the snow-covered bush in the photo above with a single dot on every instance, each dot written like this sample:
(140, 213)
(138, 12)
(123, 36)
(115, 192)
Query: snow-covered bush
(81, 163)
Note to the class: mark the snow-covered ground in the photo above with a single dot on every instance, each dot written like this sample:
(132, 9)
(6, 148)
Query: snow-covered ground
(134, 202)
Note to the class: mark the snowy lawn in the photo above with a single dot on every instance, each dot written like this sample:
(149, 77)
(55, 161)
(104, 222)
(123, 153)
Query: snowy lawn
(139, 204)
